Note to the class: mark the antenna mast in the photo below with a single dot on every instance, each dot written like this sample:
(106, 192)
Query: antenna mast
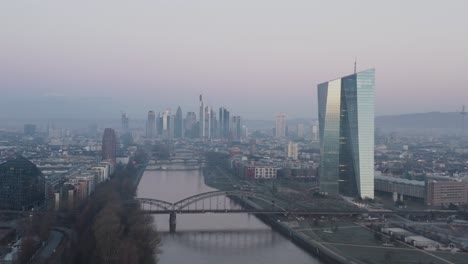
(355, 65)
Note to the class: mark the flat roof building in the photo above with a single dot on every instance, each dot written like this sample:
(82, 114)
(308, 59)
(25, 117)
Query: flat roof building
(444, 193)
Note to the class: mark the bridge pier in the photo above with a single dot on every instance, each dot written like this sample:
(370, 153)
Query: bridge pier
(172, 222)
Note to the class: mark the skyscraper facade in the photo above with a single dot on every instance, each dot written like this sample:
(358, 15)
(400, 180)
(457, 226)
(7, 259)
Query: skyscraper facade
(293, 152)
(178, 124)
(236, 128)
(300, 130)
(202, 119)
(190, 125)
(125, 123)
(346, 129)
(224, 121)
(109, 145)
(207, 122)
(151, 125)
(166, 124)
(280, 130)
(213, 125)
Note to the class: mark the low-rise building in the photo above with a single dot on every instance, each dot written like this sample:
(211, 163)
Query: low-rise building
(444, 193)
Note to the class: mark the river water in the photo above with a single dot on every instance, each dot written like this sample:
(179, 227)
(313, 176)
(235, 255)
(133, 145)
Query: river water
(213, 238)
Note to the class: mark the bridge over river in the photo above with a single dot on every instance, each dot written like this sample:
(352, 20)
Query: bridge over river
(220, 202)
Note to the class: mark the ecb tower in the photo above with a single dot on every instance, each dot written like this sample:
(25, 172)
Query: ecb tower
(346, 124)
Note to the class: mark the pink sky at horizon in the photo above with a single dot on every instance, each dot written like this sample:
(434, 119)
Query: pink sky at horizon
(256, 57)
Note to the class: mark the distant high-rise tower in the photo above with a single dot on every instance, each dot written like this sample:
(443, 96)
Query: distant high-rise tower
(125, 123)
(190, 125)
(315, 134)
(171, 127)
(463, 114)
(280, 125)
(202, 119)
(346, 125)
(292, 150)
(151, 125)
(207, 122)
(224, 121)
(213, 125)
(300, 130)
(109, 145)
(236, 128)
(166, 124)
(178, 124)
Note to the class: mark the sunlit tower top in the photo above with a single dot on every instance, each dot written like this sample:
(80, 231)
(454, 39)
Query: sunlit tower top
(463, 114)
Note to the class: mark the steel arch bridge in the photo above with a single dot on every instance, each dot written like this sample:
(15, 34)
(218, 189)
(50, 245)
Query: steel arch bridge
(214, 202)
(236, 201)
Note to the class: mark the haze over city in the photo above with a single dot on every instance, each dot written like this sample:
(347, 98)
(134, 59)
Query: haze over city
(96, 58)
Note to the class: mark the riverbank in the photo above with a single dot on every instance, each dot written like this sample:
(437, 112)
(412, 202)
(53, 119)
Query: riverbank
(140, 170)
(214, 238)
(331, 239)
(223, 180)
(311, 246)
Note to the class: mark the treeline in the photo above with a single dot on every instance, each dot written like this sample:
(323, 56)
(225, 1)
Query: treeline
(110, 229)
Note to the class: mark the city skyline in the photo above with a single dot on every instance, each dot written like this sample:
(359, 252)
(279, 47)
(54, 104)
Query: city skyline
(83, 67)
(249, 131)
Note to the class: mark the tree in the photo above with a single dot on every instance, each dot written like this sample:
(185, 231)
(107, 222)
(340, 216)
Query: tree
(107, 231)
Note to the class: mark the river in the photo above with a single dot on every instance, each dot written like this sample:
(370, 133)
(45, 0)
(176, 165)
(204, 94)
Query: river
(213, 238)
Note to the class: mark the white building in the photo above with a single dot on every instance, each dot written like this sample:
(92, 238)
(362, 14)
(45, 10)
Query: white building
(292, 150)
(265, 172)
(280, 125)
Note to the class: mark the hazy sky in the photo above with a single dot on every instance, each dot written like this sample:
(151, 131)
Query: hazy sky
(256, 57)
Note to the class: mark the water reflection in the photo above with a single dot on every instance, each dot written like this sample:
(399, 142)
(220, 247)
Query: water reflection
(213, 238)
(228, 242)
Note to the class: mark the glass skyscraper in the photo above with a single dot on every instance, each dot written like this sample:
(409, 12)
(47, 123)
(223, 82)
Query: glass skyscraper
(346, 124)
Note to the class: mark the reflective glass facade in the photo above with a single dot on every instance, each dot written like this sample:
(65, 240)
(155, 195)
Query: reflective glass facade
(346, 123)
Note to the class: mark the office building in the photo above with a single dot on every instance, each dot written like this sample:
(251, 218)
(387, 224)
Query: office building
(213, 125)
(166, 124)
(151, 125)
(178, 124)
(300, 130)
(109, 145)
(207, 122)
(224, 123)
(202, 120)
(22, 185)
(293, 150)
(125, 123)
(346, 129)
(236, 128)
(315, 134)
(444, 193)
(280, 130)
(190, 125)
